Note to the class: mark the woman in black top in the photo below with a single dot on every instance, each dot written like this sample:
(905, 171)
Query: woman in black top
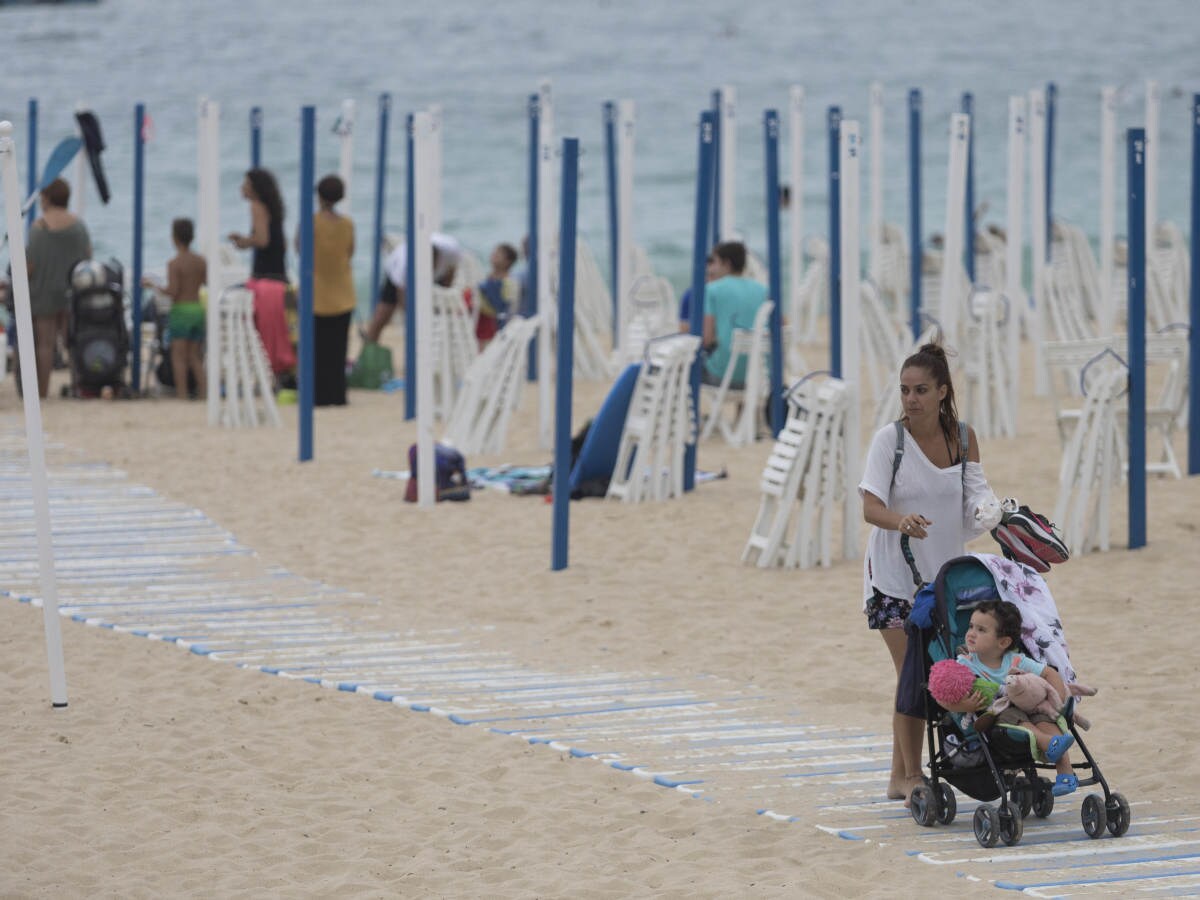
(266, 226)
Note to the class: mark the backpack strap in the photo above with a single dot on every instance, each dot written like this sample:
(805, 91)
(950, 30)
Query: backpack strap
(898, 453)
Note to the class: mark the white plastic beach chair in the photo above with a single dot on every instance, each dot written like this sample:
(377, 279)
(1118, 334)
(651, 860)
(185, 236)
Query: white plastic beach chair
(754, 346)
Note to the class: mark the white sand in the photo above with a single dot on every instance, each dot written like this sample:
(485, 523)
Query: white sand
(172, 775)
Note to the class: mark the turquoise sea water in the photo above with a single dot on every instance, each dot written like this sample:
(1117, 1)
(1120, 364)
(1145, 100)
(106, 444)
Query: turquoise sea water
(482, 60)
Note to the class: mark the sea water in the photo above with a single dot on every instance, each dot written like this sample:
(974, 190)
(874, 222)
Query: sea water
(480, 62)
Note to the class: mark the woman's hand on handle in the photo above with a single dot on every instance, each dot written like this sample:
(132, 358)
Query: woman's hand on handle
(914, 525)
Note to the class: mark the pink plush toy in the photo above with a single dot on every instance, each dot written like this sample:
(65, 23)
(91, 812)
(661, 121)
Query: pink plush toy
(950, 681)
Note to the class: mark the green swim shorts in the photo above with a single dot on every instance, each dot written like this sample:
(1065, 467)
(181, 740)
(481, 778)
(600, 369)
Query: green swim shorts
(186, 321)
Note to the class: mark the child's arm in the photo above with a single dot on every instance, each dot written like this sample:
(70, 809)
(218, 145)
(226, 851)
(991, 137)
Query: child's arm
(173, 286)
(973, 702)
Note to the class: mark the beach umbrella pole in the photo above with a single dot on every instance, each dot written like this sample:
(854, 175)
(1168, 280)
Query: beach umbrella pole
(968, 109)
(531, 270)
(849, 164)
(774, 266)
(914, 211)
(614, 234)
(626, 125)
(875, 148)
(308, 126)
(566, 355)
(208, 188)
(1136, 151)
(381, 162)
(1051, 104)
(796, 207)
(546, 226)
(1038, 221)
(1108, 194)
(256, 123)
(33, 416)
(345, 131)
(1153, 110)
(728, 164)
(1013, 256)
(135, 286)
(833, 120)
(956, 182)
(700, 241)
(31, 174)
(1194, 301)
(411, 375)
(420, 264)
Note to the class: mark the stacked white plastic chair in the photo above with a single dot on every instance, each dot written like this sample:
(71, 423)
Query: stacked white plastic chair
(813, 297)
(245, 387)
(1167, 277)
(1091, 463)
(881, 343)
(754, 347)
(490, 391)
(1166, 352)
(802, 481)
(987, 398)
(659, 424)
(593, 318)
(652, 314)
(1070, 287)
(454, 347)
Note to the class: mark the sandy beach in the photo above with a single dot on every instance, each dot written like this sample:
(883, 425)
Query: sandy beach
(172, 775)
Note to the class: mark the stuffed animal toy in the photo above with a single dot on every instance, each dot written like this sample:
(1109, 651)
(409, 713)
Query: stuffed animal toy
(950, 681)
(1031, 693)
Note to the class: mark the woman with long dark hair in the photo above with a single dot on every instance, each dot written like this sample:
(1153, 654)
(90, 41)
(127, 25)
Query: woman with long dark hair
(266, 226)
(921, 480)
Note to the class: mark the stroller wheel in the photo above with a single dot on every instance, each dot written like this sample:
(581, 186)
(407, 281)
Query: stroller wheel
(986, 825)
(922, 804)
(1043, 799)
(1095, 819)
(1021, 794)
(947, 805)
(1117, 810)
(1012, 826)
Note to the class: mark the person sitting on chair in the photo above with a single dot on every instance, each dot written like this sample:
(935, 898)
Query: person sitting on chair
(730, 302)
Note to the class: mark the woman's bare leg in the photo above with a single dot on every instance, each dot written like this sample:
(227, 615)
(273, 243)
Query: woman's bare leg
(907, 731)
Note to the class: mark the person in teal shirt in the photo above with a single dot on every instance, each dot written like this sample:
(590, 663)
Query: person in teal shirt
(730, 302)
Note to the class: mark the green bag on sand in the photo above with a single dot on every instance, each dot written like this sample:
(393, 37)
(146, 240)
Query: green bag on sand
(372, 369)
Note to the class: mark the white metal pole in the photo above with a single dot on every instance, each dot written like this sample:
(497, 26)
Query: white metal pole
(875, 146)
(1108, 212)
(1037, 234)
(952, 254)
(207, 205)
(79, 192)
(435, 168)
(1013, 255)
(346, 149)
(796, 209)
(547, 261)
(33, 415)
(626, 123)
(728, 172)
(850, 151)
(1153, 101)
(423, 138)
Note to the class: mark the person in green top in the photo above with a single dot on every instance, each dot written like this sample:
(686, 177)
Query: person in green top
(57, 241)
(730, 302)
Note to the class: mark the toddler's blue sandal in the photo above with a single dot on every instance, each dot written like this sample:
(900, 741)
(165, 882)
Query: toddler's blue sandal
(1064, 784)
(1058, 746)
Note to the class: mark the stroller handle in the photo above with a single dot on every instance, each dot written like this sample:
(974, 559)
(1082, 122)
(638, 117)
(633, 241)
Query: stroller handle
(912, 562)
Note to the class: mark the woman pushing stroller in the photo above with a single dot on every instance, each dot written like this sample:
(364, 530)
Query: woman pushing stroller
(923, 479)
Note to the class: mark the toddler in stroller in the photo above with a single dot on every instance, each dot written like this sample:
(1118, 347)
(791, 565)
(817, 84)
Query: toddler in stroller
(992, 758)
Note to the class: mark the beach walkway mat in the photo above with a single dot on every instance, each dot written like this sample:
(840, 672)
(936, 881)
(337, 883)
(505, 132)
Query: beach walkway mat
(131, 560)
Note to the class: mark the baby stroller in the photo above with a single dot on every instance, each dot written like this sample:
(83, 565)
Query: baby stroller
(97, 336)
(997, 763)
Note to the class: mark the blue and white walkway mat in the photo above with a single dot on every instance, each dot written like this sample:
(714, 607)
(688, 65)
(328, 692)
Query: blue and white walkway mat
(131, 560)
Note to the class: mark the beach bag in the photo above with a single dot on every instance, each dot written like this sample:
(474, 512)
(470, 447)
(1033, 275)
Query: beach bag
(1029, 538)
(373, 368)
(450, 474)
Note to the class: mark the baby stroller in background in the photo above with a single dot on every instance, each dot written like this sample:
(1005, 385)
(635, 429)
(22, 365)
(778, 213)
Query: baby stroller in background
(997, 763)
(97, 336)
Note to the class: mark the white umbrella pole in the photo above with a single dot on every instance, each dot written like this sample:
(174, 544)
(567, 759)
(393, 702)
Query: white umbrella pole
(956, 187)
(796, 209)
(875, 146)
(1108, 212)
(346, 149)
(728, 173)
(1013, 263)
(422, 264)
(33, 414)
